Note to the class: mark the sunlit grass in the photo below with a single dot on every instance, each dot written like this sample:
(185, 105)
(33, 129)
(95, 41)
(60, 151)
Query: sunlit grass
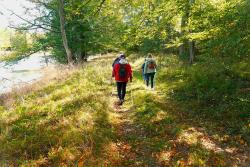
(56, 124)
(166, 115)
(75, 121)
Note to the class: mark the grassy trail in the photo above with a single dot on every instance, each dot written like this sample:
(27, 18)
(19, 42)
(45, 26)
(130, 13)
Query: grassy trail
(76, 121)
(152, 130)
(130, 136)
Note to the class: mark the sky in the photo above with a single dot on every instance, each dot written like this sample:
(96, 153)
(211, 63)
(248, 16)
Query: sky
(17, 7)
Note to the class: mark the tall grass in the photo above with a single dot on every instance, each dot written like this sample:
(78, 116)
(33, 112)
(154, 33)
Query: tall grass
(194, 112)
(213, 91)
(60, 123)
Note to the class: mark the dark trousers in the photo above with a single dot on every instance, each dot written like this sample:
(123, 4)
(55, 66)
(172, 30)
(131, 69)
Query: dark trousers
(150, 77)
(121, 89)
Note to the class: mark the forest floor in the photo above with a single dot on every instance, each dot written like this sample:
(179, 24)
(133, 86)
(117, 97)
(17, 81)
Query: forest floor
(82, 124)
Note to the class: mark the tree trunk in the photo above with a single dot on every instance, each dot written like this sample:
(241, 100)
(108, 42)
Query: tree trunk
(191, 43)
(63, 32)
(184, 23)
(191, 51)
(181, 47)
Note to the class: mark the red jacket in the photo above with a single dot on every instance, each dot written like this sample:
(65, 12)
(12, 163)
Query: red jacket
(128, 73)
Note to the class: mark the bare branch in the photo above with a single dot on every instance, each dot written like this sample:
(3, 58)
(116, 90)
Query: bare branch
(36, 26)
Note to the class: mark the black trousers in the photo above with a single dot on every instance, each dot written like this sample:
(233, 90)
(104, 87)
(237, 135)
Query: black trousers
(150, 77)
(121, 89)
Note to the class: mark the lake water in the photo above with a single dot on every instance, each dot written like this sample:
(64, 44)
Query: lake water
(25, 71)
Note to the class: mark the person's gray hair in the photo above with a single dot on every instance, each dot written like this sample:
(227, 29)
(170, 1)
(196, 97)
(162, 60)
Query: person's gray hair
(122, 56)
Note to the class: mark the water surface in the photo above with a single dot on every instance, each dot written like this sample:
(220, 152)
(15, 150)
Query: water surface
(25, 71)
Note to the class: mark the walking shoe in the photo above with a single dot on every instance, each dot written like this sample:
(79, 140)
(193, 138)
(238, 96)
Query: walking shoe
(120, 102)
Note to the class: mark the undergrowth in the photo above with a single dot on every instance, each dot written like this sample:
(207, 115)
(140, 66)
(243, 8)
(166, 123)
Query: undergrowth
(59, 123)
(194, 114)
(213, 92)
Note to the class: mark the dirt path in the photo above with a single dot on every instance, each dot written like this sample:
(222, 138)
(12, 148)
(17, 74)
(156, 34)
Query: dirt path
(129, 144)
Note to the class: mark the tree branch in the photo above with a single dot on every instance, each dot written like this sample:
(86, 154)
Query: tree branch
(36, 26)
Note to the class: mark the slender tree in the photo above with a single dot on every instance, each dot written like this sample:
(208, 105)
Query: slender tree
(191, 43)
(63, 32)
(185, 30)
(183, 25)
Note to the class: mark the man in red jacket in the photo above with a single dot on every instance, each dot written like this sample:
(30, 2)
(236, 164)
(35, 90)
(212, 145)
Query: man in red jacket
(122, 72)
